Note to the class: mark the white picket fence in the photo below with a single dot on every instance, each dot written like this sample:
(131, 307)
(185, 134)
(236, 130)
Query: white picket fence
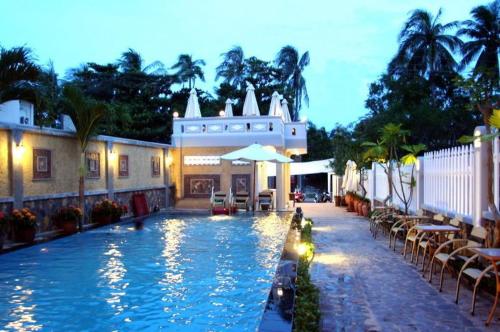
(451, 181)
(448, 177)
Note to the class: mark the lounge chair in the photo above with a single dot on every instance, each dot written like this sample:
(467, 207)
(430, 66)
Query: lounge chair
(266, 200)
(241, 200)
(219, 199)
(458, 249)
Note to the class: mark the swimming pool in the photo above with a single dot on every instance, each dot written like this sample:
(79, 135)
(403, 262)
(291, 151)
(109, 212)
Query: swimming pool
(186, 273)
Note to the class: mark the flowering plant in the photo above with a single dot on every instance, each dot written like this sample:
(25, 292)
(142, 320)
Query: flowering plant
(3, 223)
(23, 218)
(109, 208)
(69, 213)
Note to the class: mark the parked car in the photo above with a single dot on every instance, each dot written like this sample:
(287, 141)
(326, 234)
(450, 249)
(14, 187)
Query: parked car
(311, 198)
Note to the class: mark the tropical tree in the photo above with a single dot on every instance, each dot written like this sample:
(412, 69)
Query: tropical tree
(292, 67)
(232, 68)
(483, 32)
(86, 115)
(131, 61)
(425, 47)
(188, 69)
(18, 74)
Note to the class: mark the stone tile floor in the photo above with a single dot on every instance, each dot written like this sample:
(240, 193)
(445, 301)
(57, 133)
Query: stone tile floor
(365, 286)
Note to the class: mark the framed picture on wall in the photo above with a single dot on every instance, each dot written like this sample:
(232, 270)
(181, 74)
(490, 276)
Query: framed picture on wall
(122, 165)
(155, 166)
(42, 164)
(93, 163)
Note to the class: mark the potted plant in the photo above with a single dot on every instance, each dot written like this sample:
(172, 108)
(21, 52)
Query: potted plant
(67, 218)
(3, 229)
(108, 211)
(24, 224)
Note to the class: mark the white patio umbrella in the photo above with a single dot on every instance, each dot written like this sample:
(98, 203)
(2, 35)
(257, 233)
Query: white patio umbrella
(250, 107)
(275, 107)
(285, 111)
(228, 111)
(350, 179)
(193, 107)
(255, 153)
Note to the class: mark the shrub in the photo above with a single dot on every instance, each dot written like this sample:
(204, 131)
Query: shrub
(69, 213)
(307, 313)
(22, 218)
(108, 208)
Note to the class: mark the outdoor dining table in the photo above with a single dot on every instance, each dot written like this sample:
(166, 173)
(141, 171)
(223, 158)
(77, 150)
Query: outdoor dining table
(492, 255)
(435, 230)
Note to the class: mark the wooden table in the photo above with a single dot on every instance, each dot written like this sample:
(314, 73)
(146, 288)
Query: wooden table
(493, 255)
(436, 230)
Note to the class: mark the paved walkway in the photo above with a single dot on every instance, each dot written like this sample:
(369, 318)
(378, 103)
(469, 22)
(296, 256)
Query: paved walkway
(365, 286)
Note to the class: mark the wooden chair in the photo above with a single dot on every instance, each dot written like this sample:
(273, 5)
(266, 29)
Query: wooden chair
(413, 237)
(379, 217)
(401, 226)
(423, 243)
(458, 249)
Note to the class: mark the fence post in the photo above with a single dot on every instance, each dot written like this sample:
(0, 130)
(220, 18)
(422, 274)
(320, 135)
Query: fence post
(419, 188)
(373, 184)
(480, 190)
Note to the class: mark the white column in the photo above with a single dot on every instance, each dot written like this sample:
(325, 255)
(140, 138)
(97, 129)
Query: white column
(16, 154)
(480, 190)
(419, 188)
(280, 187)
(109, 161)
(329, 181)
(166, 176)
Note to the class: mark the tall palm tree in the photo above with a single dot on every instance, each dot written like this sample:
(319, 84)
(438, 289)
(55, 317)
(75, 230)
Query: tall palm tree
(188, 69)
(18, 72)
(232, 68)
(425, 47)
(484, 34)
(86, 115)
(131, 61)
(292, 67)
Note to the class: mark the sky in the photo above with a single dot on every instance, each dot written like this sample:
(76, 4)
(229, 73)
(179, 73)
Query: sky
(350, 42)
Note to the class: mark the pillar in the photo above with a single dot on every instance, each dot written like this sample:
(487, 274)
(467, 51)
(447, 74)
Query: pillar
(329, 185)
(280, 187)
(480, 190)
(166, 176)
(419, 188)
(109, 162)
(16, 155)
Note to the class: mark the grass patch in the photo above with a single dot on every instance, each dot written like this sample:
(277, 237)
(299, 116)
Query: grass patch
(307, 314)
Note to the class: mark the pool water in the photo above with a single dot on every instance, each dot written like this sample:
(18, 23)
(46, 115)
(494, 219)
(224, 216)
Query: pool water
(186, 273)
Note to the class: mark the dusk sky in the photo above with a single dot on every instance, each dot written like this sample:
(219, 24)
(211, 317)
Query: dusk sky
(350, 42)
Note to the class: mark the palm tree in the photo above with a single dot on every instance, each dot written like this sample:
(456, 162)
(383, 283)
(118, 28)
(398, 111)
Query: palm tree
(425, 48)
(86, 115)
(483, 31)
(18, 72)
(232, 68)
(292, 68)
(132, 62)
(188, 69)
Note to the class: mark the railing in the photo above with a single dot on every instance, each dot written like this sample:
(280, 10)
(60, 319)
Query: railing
(448, 177)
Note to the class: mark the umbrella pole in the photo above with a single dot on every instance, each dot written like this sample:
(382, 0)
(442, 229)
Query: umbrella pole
(254, 185)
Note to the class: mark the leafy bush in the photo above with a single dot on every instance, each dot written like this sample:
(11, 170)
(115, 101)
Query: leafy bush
(307, 313)
(23, 218)
(69, 213)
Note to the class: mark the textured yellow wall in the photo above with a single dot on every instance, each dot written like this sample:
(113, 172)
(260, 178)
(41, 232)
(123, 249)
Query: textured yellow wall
(64, 159)
(4, 164)
(139, 163)
(100, 183)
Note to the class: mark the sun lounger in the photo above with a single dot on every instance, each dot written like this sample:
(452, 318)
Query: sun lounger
(266, 200)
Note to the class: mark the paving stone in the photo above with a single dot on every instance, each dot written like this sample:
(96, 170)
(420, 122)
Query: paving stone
(365, 286)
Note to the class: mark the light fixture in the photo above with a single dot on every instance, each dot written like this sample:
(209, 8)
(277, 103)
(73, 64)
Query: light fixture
(302, 249)
(222, 113)
(279, 291)
(176, 115)
(18, 150)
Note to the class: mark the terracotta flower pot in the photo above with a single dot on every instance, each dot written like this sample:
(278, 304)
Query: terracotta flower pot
(68, 226)
(360, 208)
(366, 209)
(25, 234)
(350, 207)
(338, 200)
